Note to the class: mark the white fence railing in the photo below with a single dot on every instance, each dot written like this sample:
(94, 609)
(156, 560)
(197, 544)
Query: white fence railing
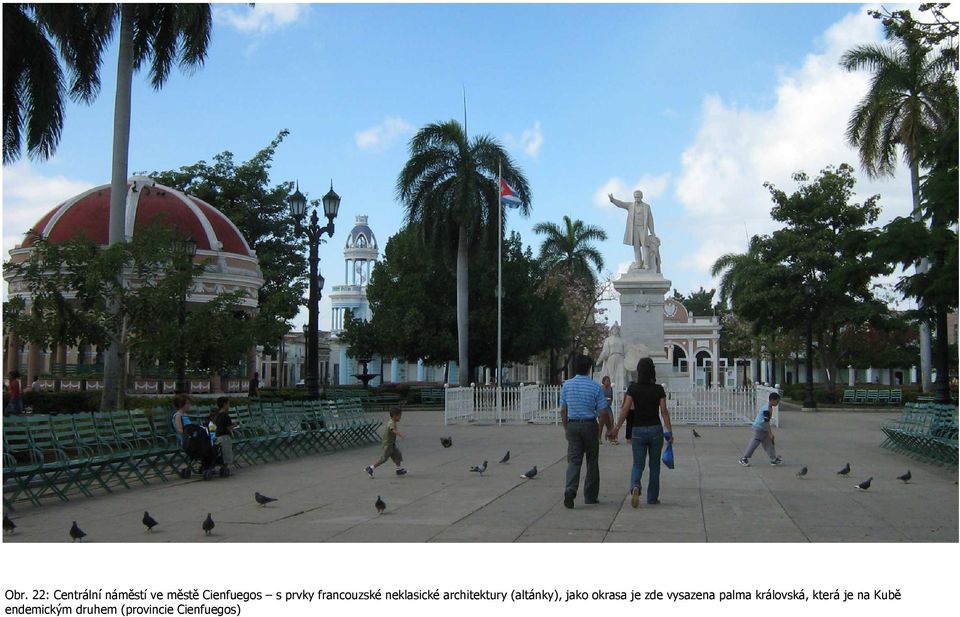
(516, 403)
(714, 406)
(541, 405)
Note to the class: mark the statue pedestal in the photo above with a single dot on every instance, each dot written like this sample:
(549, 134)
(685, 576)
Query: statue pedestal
(641, 322)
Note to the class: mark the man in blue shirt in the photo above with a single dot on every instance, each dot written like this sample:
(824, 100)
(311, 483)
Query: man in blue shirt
(582, 403)
(763, 433)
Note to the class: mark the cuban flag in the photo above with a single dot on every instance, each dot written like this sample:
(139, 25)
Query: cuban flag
(508, 196)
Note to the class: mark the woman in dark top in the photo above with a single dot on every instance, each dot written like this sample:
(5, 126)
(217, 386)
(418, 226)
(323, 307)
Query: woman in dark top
(645, 402)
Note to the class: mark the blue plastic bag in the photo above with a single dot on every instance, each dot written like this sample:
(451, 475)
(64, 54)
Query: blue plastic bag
(668, 456)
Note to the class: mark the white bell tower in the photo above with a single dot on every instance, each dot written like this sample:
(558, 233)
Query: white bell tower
(359, 256)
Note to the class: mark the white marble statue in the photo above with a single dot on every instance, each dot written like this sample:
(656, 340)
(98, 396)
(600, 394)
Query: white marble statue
(639, 227)
(632, 358)
(652, 262)
(612, 356)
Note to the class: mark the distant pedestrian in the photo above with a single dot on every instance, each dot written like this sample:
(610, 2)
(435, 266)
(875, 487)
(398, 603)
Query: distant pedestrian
(35, 386)
(763, 433)
(582, 405)
(390, 449)
(223, 426)
(15, 390)
(645, 402)
(254, 390)
(607, 388)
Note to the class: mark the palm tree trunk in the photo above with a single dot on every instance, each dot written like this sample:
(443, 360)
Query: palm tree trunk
(942, 385)
(463, 307)
(113, 386)
(923, 266)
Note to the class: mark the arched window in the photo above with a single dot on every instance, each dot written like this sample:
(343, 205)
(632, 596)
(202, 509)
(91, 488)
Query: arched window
(361, 241)
(678, 354)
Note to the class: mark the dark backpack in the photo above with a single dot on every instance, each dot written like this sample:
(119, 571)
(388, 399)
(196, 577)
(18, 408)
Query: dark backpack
(196, 441)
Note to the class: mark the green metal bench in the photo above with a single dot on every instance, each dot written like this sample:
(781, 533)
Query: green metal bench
(925, 430)
(22, 464)
(65, 455)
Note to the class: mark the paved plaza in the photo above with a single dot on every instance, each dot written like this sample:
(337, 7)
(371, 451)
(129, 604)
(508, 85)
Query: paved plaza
(709, 497)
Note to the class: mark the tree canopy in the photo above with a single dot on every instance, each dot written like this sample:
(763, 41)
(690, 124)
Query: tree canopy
(245, 194)
(569, 248)
(820, 265)
(411, 293)
(35, 37)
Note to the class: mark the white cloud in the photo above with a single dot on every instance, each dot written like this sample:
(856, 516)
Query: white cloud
(653, 186)
(737, 149)
(530, 140)
(27, 196)
(261, 18)
(380, 137)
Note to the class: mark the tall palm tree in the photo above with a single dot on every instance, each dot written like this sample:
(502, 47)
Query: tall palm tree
(448, 187)
(899, 110)
(33, 82)
(161, 35)
(569, 250)
(737, 271)
(739, 275)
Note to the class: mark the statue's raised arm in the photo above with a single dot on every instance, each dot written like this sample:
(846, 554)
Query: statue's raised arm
(626, 205)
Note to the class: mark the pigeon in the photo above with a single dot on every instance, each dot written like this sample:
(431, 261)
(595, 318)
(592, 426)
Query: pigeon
(479, 468)
(865, 484)
(263, 499)
(506, 457)
(446, 442)
(208, 524)
(530, 474)
(802, 472)
(845, 470)
(8, 525)
(380, 505)
(76, 533)
(149, 521)
(696, 434)
(905, 477)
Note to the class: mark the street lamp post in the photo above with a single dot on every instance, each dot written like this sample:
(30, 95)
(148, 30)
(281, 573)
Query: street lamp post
(185, 250)
(809, 400)
(313, 233)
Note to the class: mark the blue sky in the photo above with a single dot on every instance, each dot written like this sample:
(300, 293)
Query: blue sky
(698, 105)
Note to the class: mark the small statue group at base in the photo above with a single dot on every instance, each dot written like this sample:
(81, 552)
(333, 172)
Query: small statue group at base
(620, 360)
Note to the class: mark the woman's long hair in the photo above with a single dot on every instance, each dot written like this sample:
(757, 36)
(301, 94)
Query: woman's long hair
(646, 371)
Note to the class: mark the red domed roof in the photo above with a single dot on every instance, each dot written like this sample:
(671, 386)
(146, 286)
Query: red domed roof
(147, 202)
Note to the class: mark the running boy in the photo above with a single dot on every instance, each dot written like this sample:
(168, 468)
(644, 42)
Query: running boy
(763, 433)
(390, 449)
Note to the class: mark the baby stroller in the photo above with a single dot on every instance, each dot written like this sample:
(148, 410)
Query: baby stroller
(197, 446)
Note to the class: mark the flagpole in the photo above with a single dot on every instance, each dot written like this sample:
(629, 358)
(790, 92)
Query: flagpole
(499, 293)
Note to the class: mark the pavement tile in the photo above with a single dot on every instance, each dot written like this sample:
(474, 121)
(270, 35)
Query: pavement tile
(707, 498)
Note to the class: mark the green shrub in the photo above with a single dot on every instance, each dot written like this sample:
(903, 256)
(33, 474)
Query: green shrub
(61, 402)
(77, 402)
(797, 391)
